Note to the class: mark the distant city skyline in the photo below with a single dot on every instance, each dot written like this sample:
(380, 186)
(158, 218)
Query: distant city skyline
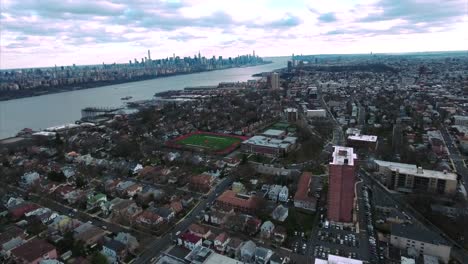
(54, 32)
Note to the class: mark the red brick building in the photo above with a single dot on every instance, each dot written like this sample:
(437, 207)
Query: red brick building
(202, 182)
(342, 178)
(239, 202)
(302, 198)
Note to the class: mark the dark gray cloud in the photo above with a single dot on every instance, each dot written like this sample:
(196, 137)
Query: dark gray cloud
(183, 37)
(327, 17)
(395, 30)
(62, 8)
(415, 11)
(286, 22)
(38, 28)
(22, 38)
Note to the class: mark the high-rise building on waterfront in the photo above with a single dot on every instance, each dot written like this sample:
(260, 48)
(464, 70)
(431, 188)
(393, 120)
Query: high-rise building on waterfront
(149, 55)
(274, 81)
(342, 178)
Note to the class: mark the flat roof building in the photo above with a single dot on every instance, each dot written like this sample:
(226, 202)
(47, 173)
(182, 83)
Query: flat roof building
(423, 241)
(460, 120)
(316, 113)
(409, 178)
(333, 259)
(268, 146)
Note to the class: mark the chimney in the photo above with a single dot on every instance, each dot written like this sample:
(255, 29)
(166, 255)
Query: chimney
(419, 170)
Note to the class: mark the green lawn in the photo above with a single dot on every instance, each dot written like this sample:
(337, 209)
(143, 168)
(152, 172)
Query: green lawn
(211, 142)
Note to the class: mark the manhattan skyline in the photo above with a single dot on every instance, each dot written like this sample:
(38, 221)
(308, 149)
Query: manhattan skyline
(51, 32)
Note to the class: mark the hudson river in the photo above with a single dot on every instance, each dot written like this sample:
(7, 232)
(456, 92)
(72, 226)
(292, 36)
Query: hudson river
(44, 111)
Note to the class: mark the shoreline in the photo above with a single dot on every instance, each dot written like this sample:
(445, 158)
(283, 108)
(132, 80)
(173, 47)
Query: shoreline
(69, 88)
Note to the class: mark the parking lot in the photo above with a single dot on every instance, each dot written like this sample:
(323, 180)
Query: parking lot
(337, 240)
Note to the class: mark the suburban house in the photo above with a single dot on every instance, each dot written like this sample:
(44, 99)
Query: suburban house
(252, 225)
(10, 238)
(199, 230)
(96, 200)
(88, 233)
(266, 230)
(280, 213)
(201, 183)
(221, 242)
(166, 213)
(247, 251)
(134, 189)
(233, 247)
(189, 240)
(63, 224)
(262, 255)
(33, 252)
(29, 179)
(115, 251)
(149, 218)
(21, 209)
(218, 217)
(128, 240)
(283, 194)
(274, 192)
(176, 206)
(279, 234)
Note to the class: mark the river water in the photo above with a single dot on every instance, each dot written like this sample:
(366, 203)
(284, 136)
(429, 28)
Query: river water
(55, 109)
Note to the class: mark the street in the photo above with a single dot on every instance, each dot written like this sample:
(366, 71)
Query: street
(158, 245)
(455, 157)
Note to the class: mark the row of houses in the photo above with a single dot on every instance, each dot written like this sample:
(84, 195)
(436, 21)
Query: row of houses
(198, 236)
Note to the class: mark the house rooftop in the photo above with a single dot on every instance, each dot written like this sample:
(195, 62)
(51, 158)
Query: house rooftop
(32, 250)
(115, 245)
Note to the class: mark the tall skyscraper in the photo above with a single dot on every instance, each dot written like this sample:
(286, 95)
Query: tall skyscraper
(149, 55)
(274, 81)
(342, 178)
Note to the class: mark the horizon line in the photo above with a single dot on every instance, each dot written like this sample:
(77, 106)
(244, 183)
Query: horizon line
(265, 57)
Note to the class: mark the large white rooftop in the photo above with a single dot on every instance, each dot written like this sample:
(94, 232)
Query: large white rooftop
(216, 258)
(332, 259)
(61, 127)
(367, 138)
(411, 169)
(460, 117)
(270, 142)
(343, 156)
(273, 132)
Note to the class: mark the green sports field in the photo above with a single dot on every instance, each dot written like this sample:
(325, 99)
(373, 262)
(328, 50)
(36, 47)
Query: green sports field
(211, 142)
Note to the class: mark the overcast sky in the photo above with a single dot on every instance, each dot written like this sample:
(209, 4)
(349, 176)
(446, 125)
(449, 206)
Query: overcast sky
(62, 32)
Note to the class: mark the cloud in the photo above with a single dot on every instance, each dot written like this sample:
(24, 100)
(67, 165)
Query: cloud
(327, 17)
(82, 31)
(184, 37)
(286, 22)
(415, 11)
(61, 8)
